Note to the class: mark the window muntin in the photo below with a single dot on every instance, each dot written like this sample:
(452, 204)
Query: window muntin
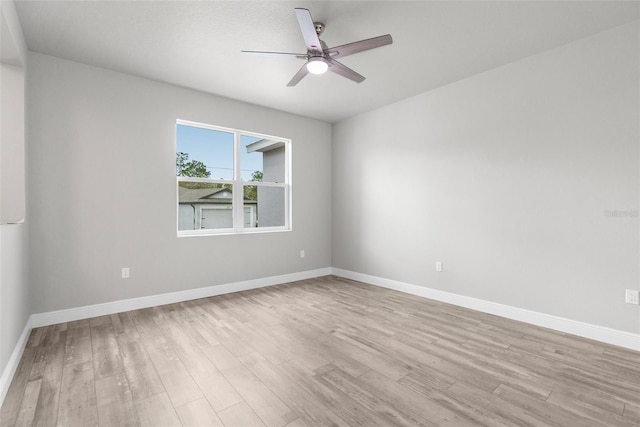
(231, 181)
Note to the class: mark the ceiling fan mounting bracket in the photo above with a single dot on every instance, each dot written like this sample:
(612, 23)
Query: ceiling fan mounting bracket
(319, 27)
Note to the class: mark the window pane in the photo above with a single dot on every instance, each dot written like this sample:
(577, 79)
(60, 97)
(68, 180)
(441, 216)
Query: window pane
(204, 206)
(204, 153)
(263, 206)
(261, 159)
(250, 159)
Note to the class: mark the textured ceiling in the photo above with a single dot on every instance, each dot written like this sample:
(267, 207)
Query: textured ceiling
(198, 44)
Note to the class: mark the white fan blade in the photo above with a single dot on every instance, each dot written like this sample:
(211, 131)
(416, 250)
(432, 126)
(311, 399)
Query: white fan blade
(362, 45)
(299, 75)
(275, 54)
(345, 71)
(308, 29)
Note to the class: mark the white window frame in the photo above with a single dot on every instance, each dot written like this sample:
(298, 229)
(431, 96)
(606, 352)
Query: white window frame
(238, 185)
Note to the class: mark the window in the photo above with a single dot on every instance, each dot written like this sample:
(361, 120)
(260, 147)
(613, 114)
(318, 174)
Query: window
(231, 181)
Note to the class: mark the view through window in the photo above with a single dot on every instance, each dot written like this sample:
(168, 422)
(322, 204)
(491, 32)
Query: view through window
(231, 181)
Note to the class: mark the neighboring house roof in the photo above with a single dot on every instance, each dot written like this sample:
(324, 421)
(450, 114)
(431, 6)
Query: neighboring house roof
(264, 145)
(206, 196)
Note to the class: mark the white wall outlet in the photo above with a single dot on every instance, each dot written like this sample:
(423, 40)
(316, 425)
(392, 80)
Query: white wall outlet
(125, 272)
(302, 253)
(632, 296)
(439, 266)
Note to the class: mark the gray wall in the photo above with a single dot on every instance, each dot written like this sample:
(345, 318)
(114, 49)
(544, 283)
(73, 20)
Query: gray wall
(522, 180)
(15, 307)
(102, 192)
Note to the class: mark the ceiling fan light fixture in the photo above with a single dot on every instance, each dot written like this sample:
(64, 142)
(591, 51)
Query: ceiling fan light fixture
(317, 65)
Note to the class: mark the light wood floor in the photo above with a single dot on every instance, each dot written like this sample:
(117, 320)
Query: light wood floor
(326, 351)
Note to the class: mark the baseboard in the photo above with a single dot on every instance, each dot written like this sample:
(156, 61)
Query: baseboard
(582, 329)
(88, 311)
(14, 361)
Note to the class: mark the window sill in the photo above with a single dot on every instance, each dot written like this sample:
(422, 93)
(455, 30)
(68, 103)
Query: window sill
(201, 233)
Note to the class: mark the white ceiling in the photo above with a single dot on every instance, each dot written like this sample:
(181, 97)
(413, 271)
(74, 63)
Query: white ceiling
(198, 44)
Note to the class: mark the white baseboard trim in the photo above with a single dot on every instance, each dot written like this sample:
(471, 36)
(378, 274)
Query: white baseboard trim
(574, 327)
(14, 361)
(88, 311)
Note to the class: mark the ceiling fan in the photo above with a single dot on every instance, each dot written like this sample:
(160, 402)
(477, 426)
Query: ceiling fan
(321, 58)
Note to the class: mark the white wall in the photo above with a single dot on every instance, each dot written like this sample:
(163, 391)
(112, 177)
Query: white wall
(102, 195)
(512, 178)
(15, 307)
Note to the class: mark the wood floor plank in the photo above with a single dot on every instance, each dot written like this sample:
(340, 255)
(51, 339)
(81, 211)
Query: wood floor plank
(551, 371)
(472, 413)
(51, 336)
(34, 337)
(27, 410)
(48, 400)
(197, 414)
(370, 356)
(632, 413)
(78, 403)
(100, 321)
(17, 389)
(289, 340)
(325, 351)
(125, 324)
(298, 398)
(107, 360)
(177, 381)
(222, 358)
(427, 380)
(271, 410)
(212, 383)
(197, 328)
(142, 376)
(462, 372)
(297, 423)
(232, 342)
(257, 342)
(156, 411)
(174, 376)
(513, 414)
(115, 404)
(546, 413)
(586, 410)
(346, 408)
(508, 373)
(326, 347)
(78, 345)
(240, 415)
(373, 401)
(116, 323)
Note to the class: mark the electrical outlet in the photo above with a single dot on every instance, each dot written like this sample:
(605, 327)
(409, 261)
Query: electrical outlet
(631, 296)
(125, 272)
(439, 266)
(302, 253)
